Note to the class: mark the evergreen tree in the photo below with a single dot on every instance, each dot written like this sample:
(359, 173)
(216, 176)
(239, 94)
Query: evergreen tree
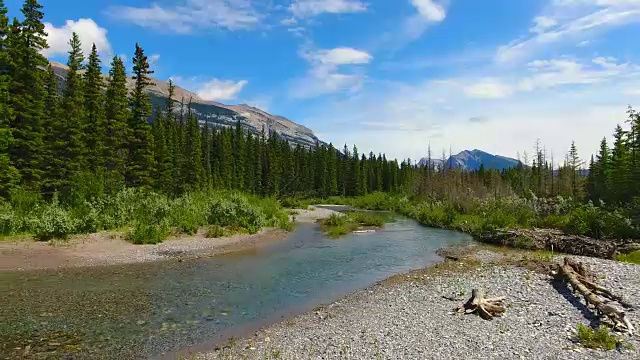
(25, 42)
(162, 171)
(71, 127)
(356, 186)
(117, 115)
(140, 166)
(620, 165)
(53, 138)
(9, 175)
(193, 170)
(95, 130)
(206, 155)
(238, 155)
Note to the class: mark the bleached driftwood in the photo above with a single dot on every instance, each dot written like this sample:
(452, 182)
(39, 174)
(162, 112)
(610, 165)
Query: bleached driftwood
(486, 308)
(602, 299)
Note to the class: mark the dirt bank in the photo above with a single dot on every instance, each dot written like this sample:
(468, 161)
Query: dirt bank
(109, 248)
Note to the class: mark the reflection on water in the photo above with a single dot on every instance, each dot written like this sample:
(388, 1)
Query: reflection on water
(149, 309)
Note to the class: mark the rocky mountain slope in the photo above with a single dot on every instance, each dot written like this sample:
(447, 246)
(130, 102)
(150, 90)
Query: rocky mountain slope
(217, 114)
(472, 159)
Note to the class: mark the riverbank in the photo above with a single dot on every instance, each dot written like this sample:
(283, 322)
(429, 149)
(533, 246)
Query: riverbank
(109, 248)
(410, 316)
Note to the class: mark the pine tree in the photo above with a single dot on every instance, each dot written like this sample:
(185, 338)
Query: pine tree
(206, 155)
(238, 155)
(117, 115)
(25, 42)
(634, 146)
(9, 175)
(620, 166)
(141, 163)
(356, 186)
(162, 171)
(95, 112)
(53, 128)
(71, 127)
(194, 173)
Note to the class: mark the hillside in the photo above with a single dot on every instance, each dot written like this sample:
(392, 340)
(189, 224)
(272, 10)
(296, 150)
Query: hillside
(217, 114)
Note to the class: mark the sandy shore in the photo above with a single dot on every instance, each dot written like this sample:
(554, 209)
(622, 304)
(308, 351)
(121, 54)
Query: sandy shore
(107, 248)
(410, 316)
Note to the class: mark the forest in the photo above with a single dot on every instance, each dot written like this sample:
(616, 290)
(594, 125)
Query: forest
(85, 153)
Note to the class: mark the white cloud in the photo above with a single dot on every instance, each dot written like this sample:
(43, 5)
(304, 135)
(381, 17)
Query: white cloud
(488, 89)
(88, 31)
(543, 23)
(340, 56)
(153, 59)
(429, 10)
(309, 8)
(570, 20)
(327, 74)
(211, 89)
(192, 15)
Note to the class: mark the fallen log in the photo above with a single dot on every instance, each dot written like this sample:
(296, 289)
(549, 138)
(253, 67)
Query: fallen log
(486, 308)
(604, 302)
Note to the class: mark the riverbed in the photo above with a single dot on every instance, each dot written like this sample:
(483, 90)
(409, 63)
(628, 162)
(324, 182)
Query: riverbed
(158, 308)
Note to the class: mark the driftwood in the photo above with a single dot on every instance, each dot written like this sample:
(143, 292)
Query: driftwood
(556, 240)
(486, 308)
(603, 300)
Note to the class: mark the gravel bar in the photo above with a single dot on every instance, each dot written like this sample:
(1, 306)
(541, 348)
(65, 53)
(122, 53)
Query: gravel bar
(411, 319)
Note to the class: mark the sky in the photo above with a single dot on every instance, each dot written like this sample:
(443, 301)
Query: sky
(392, 76)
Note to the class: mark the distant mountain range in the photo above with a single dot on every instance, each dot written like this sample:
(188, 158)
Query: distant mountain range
(472, 159)
(218, 115)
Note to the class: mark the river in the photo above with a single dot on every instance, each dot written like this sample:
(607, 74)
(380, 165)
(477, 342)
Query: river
(154, 309)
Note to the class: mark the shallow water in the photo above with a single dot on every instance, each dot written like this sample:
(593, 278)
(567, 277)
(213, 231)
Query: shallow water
(146, 310)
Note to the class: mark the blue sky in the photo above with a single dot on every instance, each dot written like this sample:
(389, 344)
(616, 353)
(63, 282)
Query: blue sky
(389, 75)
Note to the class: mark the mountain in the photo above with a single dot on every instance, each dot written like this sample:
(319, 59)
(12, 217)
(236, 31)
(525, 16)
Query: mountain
(218, 115)
(472, 159)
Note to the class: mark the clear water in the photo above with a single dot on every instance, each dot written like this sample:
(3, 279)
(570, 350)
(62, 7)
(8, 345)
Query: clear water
(146, 310)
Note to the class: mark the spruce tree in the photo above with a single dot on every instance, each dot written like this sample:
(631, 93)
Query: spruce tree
(25, 42)
(162, 171)
(53, 128)
(9, 175)
(206, 155)
(620, 166)
(238, 155)
(95, 112)
(117, 115)
(141, 163)
(356, 185)
(193, 170)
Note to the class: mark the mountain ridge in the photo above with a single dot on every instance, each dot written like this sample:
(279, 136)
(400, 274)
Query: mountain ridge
(217, 114)
(471, 160)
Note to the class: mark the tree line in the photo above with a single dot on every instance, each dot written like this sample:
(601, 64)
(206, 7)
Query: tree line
(88, 137)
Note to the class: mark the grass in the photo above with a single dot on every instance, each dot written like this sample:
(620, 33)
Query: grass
(632, 258)
(600, 338)
(338, 225)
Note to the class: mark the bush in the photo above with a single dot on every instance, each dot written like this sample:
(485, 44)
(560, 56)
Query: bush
(335, 220)
(600, 338)
(145, 233)
(632, 258)
(595, 222)
(236, 211)
(367, 218)
(53, 223)
(215, 231)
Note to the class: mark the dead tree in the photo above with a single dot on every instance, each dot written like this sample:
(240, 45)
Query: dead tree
(486, 308)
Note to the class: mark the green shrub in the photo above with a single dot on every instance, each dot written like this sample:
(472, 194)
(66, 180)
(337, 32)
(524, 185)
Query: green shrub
(601, 338)
(552, 221)
(470, 224)
(215, 231)
(632, 258)
(145, 233)
(53, 223)
(335, 220)
(236, 211)
(367, 218)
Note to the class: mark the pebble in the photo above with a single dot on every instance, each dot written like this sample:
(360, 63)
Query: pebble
(404, 321)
